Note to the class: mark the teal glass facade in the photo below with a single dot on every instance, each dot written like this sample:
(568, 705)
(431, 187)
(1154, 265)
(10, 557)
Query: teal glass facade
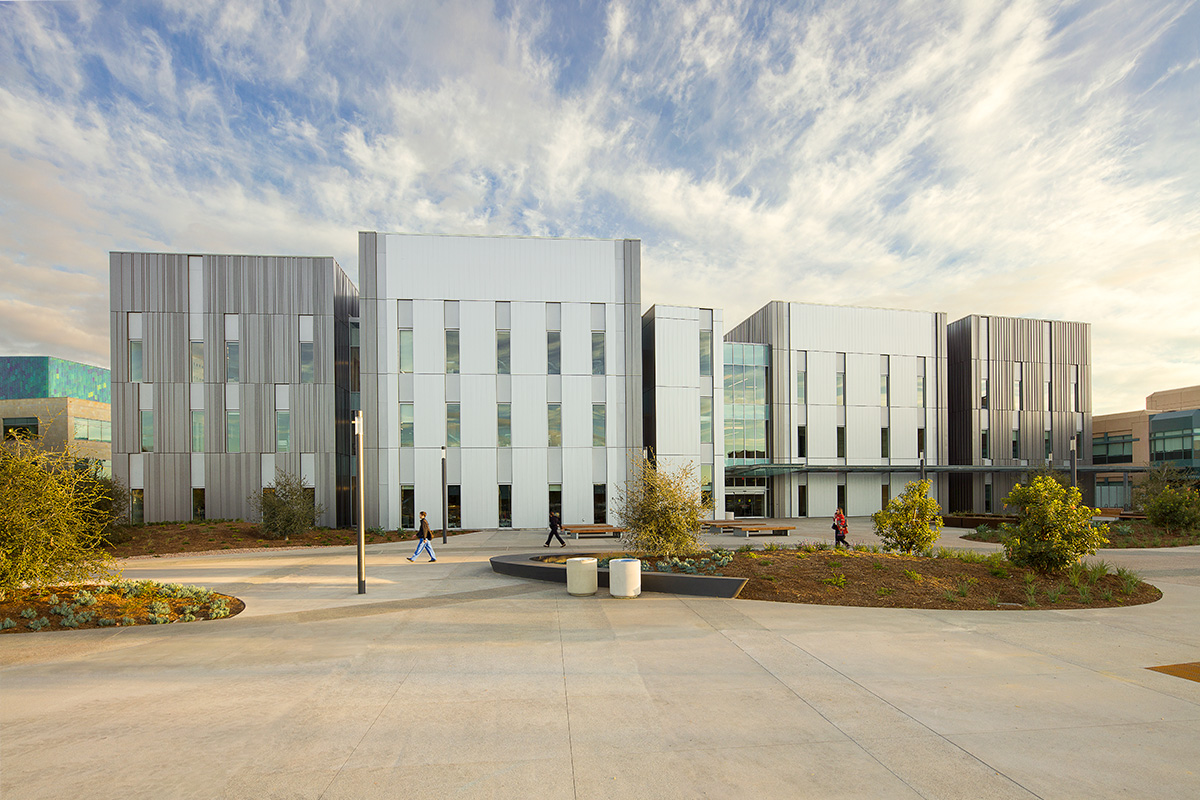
(23, 377)
(747, 413)
(1175, 437)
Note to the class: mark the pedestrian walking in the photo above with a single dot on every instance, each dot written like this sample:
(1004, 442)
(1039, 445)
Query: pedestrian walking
(840, 529)
(424, 537)
(554, 525)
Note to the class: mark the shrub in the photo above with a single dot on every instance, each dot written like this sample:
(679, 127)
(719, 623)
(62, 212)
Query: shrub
(911, 521)
(661, 509)
(287, 508)
(1054, 528)
(1160, 476)
(1175, 509)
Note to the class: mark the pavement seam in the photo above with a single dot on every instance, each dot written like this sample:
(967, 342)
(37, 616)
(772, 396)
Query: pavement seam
(847, 678)
(562, 655)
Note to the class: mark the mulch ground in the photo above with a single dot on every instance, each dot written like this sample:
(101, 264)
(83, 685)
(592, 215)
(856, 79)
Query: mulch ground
(172, 538)
(1126, 533)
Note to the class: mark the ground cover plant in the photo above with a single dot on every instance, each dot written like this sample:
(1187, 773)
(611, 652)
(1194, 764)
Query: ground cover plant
(110, 605)
(1123, 534)
(817, 574)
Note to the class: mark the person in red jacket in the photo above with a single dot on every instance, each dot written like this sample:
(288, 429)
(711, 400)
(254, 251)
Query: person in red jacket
(840, 529)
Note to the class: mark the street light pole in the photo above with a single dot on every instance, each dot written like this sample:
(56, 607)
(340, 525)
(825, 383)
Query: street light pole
(362, 504)
(445, 497)
(1074, 463)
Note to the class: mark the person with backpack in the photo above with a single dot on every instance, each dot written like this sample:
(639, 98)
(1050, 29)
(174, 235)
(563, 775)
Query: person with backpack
(424, 537)
(840, 529)
(554, 525)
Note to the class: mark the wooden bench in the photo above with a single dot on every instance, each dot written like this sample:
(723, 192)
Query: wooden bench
(749, 529)
(592, 530)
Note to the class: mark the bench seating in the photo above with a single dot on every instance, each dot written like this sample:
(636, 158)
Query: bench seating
(749, 529)
(579, 530)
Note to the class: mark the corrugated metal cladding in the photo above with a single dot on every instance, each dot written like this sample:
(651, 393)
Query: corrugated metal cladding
(268, 295)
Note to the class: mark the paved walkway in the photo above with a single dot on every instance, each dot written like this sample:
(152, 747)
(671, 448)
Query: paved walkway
(447, 680)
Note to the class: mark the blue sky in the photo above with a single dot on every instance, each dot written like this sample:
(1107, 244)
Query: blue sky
(1024, 158)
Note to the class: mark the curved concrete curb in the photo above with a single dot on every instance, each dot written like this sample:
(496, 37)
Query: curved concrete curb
(528, 565)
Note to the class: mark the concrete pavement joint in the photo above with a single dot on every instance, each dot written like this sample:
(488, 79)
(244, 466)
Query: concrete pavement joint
(562, 654)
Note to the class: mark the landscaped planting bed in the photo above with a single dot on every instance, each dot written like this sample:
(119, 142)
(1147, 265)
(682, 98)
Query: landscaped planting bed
(1126, 533)
(119, 604)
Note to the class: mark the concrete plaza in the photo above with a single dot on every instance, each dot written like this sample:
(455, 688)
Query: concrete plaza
(446, 680)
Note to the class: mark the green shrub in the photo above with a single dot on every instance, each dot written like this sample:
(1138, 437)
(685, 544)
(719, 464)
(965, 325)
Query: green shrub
(1175, 509)
(1054, 528)
(911, 521)
(661, 509)
(287, 508)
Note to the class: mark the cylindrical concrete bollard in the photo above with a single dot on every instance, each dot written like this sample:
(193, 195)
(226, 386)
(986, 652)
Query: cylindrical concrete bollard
(581, 576)
(625, 577)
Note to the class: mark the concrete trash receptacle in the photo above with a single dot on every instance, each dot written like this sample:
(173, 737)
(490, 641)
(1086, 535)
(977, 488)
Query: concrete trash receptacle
(581, 576)
(625, 577)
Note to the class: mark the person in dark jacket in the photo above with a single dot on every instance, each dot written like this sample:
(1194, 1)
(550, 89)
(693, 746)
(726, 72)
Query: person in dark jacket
(554, 524)
(424, 537)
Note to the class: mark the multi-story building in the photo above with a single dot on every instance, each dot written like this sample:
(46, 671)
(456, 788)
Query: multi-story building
(1168, 429)
(831, 406)
(226, 368)
(1020, 398)
(60, 403)
(520, 356)
(682, 365)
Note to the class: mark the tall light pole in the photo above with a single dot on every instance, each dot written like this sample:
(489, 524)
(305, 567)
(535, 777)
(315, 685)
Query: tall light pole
(445, 497)
(362, 504)
(1074, 463)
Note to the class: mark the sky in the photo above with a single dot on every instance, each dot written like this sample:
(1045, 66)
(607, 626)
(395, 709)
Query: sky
(1036, 159)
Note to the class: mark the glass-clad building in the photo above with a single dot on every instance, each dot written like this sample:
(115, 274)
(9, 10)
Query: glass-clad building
(747, 425)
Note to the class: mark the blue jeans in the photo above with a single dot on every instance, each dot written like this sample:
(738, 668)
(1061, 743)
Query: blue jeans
(424, 545)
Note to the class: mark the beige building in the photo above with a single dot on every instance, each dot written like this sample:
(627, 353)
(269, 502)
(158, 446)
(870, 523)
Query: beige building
(1126, 437)
(60, 403)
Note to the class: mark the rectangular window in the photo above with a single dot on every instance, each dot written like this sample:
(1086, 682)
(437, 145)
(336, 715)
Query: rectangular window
(233, 431)
(884, 391)
(233, 369)
(706, 354)
(307, 368)
(20, 426)
(198, 509)
(1046, 445)
(921, 442)
(137, 506)
(452, 352)
(599, 432)
(197, 431)
(802, 441)
(841, 441)
(983, 392)
(504, 424)
(503, 353)
(453, 425)
(598, 352)
(406, 350)
(885, 442)
(987, 497)
(802, 387)
(147, 419)
(841, 388)
(706, 483)
(553, 353)
(920, 391)
(802, 502)
(81, 429)
(599, 504)
(135, 361)
(1016, 444)
(554, 496)
(841, 497)
(983, 445)
(554, 424)
(504, 502)
(406, 424)
(706, 420)
(1074, 396)
(196, 357)
(283, 431)
(1017, 395)
(408, 507)
(454, 506)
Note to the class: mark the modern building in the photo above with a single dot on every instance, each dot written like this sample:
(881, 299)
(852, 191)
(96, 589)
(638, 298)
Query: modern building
(520, 356)
(226, 368)
(59, 402)
(832, 406)
(682, 404)
(1167, 429)
(1020, 399)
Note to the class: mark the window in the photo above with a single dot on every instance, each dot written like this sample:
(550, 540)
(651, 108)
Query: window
(454, 506)
(408, 506)
(1046, 445)
(706, 420)
(137, 506)
(406, 350)
(1017, 394)
(802, 387)
(706, 483)
(597, 352)
(921, 442)
(451, 352)
(987, 497)
(706, 354)
(453, 425)
(885, 492)
(307, 370)
(197, 431)
(504, 502)
(841, 388)
(406, 424)
(196, 357)
(135, 361)
(802, 441)
(233, 368)
(983, 445)
(802, 502)
(147, 420)
(504, 424)
(1049, 395)
(920, 391)
(983, 392)
(198, 504)
(841, 441)
(884, 391)
(20, 426)
(81, 428)
(1016, 443)
(283, 431)
(599, 434)
(599, 504)
(841, 497)
(554, 496)
(553, 353)
(554, 424)
(233, 431)
(503, 353)
(885, 442)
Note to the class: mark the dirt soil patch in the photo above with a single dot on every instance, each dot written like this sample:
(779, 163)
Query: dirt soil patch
(1126, 533)
(175, 538)
(885, 580)
(78, 607)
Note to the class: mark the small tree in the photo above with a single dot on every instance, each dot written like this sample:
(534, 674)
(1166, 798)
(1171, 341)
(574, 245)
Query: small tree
(661, 509)
(287, 508)
(53, 517)
(1054, 528)
(1175, 509)
(1160, 476)
(911, 522)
